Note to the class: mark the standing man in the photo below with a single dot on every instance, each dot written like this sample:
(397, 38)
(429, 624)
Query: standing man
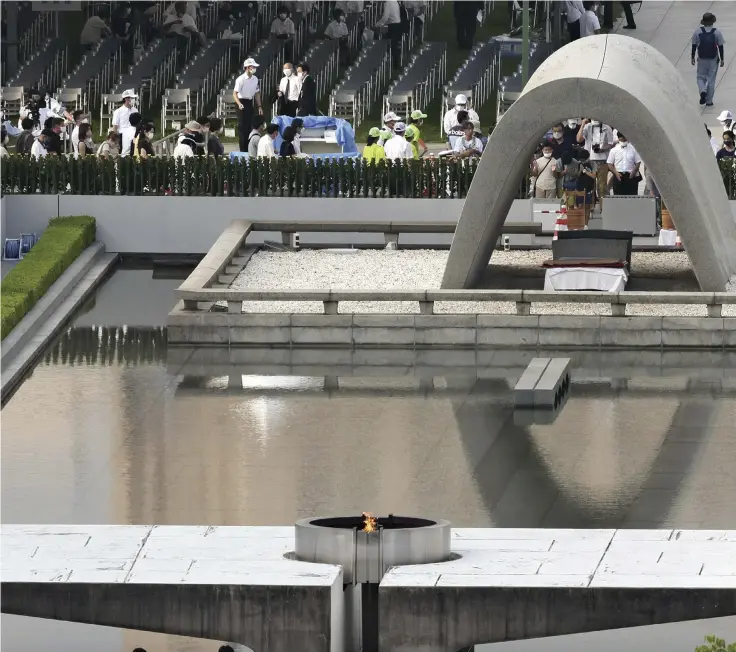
(121, 115)
(574, 10)
(391, 18)
(247, 95)
(466, 22)
(288, 92)
(708, 43)
(307, 91)
(624, 162)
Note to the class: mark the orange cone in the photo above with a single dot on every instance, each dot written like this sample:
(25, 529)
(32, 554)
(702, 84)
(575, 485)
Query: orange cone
(560, 222)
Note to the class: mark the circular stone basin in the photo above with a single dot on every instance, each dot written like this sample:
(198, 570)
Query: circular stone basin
(365, 556)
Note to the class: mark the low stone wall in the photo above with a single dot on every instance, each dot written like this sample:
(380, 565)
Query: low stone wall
(451, 331)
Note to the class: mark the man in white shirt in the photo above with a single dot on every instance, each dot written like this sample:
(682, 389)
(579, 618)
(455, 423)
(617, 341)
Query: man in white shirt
(288, 93)
(397, 147)
(121, 115)
(589, 23)
(599, 140)
(181, 25)
(265, 144)
(624, 161)
(38, 149)
(450, 119)
(574, 10)
(391, 18)
(128, 133)
(192, 9)
(469, 145)
(247, 96)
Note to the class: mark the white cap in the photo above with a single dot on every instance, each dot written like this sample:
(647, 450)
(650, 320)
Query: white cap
(390, 117)
(461, 99)
(250, 61)
(725, 115)
(129, 93)
(399, 128)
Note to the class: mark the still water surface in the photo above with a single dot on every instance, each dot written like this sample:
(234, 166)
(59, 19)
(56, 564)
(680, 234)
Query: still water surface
(104, 432)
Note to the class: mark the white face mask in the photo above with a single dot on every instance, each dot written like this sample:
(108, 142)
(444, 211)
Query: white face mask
(300, 75)
(547, 154)
(595, 123)
(251, 71)
(623, 143)
(572, 124)
(85, 121)
(557, 134)
(287, 72)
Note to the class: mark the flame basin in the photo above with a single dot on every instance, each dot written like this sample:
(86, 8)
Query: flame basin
(366, 556)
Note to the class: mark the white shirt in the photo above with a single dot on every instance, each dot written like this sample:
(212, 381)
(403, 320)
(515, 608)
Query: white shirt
(715, 145)
(3, 151)
(265, 147)
(589, 23)
(180, 28)
(398, 147)
(462, 145)
(600, 134)
(624, 159)
(574, 9)
(295, 87)
(391, 13)
(297, 142)
(127, 134)
(191, 9)
(450, 119)
(92, 31)
(247, 87)
(75, 139)
(121, 117)
(336, 30)
(182, 151)
(38, 150)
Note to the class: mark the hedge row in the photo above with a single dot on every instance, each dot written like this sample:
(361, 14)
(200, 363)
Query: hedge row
(59, 245)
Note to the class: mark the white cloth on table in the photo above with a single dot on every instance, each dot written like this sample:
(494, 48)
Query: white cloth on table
(601, 279)
(667, 238)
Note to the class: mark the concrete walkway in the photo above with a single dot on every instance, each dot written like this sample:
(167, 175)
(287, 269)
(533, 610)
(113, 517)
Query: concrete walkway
(668, 25)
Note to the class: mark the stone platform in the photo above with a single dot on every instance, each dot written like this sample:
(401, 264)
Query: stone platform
(234, 583)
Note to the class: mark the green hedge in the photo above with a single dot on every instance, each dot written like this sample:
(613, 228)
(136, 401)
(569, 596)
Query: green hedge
(59, 245)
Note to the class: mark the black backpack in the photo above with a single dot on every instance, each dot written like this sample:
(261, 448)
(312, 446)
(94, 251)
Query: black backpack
(24, 143)
(404, 15)
(707, 44)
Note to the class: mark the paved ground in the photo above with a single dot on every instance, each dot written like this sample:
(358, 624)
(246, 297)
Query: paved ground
(668, 25)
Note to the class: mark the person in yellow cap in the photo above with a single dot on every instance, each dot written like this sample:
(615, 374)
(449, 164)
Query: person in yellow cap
(415, 122)
(373, 152)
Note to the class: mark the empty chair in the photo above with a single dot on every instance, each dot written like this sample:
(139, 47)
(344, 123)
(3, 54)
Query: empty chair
(12, 99)
(176, 107)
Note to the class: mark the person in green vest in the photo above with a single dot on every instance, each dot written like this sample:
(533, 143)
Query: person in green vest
(417, 144)
(373, 152)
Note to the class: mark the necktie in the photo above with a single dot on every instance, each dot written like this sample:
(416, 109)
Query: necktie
(286, 92)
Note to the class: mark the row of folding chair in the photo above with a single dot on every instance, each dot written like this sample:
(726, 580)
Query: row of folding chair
(420, 80)
(362, 83)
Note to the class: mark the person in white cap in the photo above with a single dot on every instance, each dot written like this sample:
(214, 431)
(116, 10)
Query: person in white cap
(450, 119)
(121, 115)
(389, 121)
(726, 120)
(247, 95)
(397, 146)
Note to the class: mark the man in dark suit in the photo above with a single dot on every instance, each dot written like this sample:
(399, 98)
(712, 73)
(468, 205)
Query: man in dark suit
(308, 93)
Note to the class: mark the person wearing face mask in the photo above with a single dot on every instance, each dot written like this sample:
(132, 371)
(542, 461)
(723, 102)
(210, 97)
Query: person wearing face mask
(450, 118)
(726, 120)
(589, 24)
(544, 172)
(307, 92)
(85, 145)
(121, 115)
(247, 96)
(39, 149)
(598, 140)
(624, 162)
(560, 144)
(143, 142)
(570, 128)
(729, 147)
(288, 93)
(337, 30)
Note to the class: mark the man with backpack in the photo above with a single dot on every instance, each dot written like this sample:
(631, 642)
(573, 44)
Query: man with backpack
(708, 43)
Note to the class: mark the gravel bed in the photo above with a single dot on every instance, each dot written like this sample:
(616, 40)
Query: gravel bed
(423, 269)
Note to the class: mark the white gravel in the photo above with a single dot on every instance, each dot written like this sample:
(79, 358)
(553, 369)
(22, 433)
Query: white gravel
(423, 269)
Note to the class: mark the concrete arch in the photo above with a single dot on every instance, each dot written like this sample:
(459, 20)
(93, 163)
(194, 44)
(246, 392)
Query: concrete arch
(629, 84)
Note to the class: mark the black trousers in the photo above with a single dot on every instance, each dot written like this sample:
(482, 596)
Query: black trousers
(246, 123)
(465, 26)
(395, 32)
(573, 29)
(626, 6)
(627, 186)
(608, 14)
(288, 108)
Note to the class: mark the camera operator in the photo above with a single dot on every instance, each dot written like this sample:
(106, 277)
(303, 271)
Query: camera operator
(598, 141)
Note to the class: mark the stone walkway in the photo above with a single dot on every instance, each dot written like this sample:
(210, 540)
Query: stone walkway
(668, 25)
